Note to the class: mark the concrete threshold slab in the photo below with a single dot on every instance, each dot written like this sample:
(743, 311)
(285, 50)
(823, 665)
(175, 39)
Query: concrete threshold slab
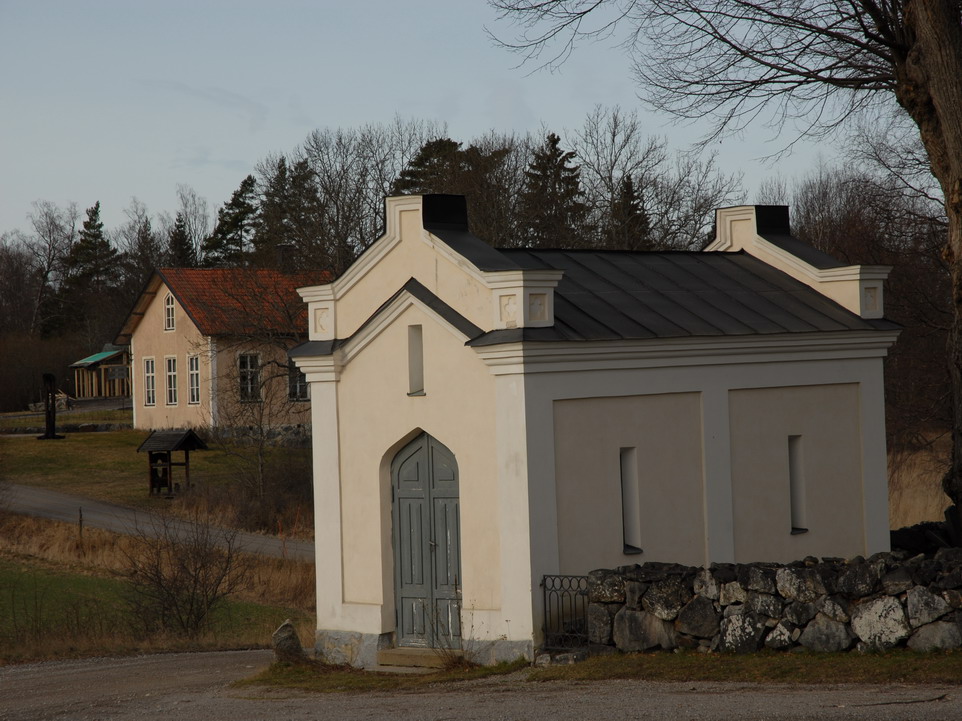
(416, 657)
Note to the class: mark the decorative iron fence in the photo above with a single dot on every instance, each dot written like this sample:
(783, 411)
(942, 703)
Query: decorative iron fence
(565, 611)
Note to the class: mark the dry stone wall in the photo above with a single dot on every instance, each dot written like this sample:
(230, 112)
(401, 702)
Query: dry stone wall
(831, 604)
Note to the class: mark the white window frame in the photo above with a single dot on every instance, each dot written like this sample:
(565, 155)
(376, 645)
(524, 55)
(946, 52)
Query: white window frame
(247, 391)
(193, 379)
(169, 312)
(150, 382)
(170, 375)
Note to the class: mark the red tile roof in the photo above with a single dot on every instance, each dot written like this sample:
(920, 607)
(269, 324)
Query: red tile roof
(243, 301)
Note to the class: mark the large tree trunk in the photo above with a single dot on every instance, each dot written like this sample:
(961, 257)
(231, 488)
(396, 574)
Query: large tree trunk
(929, 87)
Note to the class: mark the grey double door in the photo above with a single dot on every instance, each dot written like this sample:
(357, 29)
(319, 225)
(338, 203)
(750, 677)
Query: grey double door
(427, 544)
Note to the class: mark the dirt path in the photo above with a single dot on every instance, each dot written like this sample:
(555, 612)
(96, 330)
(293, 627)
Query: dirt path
(195, 687)
(45, 503)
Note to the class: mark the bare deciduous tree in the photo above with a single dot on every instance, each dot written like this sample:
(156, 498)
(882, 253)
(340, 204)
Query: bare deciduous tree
(810, 64)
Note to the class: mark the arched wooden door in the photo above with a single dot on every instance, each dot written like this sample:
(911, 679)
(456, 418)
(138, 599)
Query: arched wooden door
(427, 544)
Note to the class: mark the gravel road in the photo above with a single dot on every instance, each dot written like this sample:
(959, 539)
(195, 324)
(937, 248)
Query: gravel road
(195, 687)
(45, 503)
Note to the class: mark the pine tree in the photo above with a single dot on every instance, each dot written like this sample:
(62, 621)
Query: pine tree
(92, 261)
(477, 172)
(437, 168)
(552, 212)
(291, 214)
(273, 218)
(628, 225)
(230, 243)
(90, 295)
(143, 254)
(180, 248)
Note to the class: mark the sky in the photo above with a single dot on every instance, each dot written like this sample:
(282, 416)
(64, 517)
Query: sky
(108, 100)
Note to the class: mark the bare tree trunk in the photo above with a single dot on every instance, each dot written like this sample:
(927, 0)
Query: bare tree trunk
(929, 87)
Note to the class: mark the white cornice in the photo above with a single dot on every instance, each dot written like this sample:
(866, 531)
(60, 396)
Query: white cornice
(531, 357)
(320, 368)
(383, 320)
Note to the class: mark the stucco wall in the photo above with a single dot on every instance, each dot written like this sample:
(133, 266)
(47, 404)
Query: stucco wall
(376, 417)
(150, 340)
(826, 420)
(430, 262)
(665, 431)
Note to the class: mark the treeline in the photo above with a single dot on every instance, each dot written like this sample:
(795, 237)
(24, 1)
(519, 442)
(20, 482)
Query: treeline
(67, 282)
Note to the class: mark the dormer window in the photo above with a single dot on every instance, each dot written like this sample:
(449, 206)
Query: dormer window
(169, 312)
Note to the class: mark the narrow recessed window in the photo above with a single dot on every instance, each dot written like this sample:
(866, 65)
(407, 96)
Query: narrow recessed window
(249, 377)
(150, 382)
(171, 368)
(169, 312)
(415, 361)
(296, 384)
(193, 379)
(796, 485)
(630, 502)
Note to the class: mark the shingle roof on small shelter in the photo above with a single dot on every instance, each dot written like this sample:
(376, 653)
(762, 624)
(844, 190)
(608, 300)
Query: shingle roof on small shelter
(173, 440)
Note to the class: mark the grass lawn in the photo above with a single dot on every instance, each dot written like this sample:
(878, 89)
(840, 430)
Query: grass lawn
(104, 466)
(900, 666)
(48, 612)
(10, 421)
(897, 666)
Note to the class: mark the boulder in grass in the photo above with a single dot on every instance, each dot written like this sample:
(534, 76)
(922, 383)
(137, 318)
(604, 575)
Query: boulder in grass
(286, 644)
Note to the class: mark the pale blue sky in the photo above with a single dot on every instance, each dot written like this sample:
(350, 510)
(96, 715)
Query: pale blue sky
(110, 99)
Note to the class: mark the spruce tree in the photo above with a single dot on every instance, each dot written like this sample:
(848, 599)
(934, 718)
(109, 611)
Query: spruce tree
(230, 243)
(552, 211)
(628, 225)
(180, 248)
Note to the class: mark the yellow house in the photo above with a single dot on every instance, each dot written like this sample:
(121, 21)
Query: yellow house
(483, 418)
(208, 347)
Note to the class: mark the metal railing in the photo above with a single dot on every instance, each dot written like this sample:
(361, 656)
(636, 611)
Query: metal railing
(565, 611)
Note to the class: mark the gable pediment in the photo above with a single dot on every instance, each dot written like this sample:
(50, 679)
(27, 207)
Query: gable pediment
(427, 239)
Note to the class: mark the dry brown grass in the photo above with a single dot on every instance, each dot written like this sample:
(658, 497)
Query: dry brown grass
(915, 484)
(274, 581)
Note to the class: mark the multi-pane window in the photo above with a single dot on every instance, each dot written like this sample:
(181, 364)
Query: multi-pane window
(169, 312)
(296, 384)
(249, 376)
(150, 382)
(193, 379)
(171, 367)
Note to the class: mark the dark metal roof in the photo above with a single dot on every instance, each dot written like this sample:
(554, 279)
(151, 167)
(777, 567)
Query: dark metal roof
(446, 216)
(620, 295)
(174, 440)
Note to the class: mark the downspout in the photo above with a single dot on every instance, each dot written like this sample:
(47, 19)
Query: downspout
(211, 385)
(133, 383)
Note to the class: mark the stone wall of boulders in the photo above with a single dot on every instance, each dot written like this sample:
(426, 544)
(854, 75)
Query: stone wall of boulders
(831, 604)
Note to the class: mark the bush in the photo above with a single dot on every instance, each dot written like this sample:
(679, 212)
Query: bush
(180, 572)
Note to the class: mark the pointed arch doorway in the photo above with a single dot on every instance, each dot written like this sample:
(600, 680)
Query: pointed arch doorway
(427, 544)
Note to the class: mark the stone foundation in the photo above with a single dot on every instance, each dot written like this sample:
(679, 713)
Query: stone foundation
(348, 647)
(360, 649)
(831, 604)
